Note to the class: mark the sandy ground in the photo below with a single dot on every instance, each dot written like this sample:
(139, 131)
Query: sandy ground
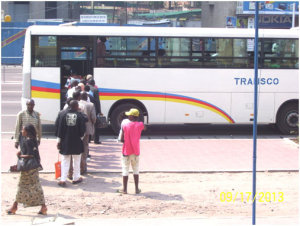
(163, 195)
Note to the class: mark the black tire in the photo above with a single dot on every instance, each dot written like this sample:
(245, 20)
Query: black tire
(118, 115)
(288, 119)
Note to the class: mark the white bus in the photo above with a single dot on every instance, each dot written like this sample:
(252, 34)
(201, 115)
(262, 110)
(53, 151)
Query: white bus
(172, 75)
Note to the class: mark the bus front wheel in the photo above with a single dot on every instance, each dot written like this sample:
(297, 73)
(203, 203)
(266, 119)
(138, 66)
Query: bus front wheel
(288, 119)
(118, 115)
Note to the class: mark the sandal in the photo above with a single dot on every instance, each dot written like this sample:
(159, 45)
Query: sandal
(62, 184)
(10, 212)
(43, 211)
(77, 181)
(121, 191)
(138, 191)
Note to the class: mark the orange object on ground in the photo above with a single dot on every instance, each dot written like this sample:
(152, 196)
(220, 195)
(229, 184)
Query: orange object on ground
(57, 169)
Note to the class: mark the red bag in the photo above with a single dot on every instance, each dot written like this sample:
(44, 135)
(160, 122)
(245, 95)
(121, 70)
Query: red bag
(57, 166)
(57, 169)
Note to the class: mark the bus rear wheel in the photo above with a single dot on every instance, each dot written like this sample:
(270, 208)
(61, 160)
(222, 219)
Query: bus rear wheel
(118, 115)
(288, 119)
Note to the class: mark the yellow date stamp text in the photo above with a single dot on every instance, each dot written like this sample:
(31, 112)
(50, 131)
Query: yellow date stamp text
(248, 197)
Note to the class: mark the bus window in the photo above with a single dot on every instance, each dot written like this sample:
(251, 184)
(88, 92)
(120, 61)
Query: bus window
(44, 51)
(113, 47)
(209, 55)
(280, 53)
(224, 53)
(197, 52)
(139, 51)
(148, 57)
(74, 53)
(177, 52)
(296, 54)
(291, 54)
(210, 45)
(101, 51)
(129, 52)
(197, 47)
(240, 53)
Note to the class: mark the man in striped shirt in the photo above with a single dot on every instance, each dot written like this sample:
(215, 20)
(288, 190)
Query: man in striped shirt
(25, 117)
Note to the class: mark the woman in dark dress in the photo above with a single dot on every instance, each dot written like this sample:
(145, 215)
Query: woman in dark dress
(30, 191)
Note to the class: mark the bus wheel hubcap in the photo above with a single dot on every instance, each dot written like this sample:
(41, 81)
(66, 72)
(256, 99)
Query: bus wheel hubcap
(292, 119)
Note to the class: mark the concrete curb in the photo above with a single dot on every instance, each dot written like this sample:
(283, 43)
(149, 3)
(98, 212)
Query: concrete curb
(58, 220)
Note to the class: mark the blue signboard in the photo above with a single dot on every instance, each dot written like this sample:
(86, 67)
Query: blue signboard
(12, 41)
(271, 7)
(275, 21)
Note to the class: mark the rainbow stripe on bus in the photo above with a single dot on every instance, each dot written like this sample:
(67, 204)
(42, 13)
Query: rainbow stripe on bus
(41, 89)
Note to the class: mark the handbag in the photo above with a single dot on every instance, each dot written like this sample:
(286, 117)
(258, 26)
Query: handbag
(57, 167)
(26, 164)
(13, 168)
(101, 121)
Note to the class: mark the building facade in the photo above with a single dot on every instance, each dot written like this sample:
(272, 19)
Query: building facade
(214, 13)
(24, 11)
(273, 14)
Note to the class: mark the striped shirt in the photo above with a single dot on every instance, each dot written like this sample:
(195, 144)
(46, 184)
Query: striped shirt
(23, 118)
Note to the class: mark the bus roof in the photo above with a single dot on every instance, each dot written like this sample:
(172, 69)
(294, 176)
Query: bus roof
(160, 31)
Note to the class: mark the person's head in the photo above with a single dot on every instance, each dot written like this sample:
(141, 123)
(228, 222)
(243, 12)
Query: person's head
(87, 88)
(29, 131)
(30, 105)
(83, 96)
(133, 114)
(76, 95)
(81, 85)
(74, 83)
(74, 105)
(89, 76)
(91, 82)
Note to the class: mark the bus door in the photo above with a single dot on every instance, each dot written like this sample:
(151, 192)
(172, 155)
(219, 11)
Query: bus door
(75, 61)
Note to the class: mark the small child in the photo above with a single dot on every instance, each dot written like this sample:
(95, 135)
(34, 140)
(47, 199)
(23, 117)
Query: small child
(131, 134)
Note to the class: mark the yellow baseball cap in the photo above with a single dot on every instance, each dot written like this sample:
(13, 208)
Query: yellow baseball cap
(133, 111)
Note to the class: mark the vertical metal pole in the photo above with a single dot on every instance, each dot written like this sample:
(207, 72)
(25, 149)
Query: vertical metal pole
(255, 113)
(293, 15)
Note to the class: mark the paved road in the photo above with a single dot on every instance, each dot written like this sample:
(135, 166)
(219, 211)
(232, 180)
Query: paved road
(11, 92)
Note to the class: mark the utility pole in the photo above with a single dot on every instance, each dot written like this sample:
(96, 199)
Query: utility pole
(255, 114)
